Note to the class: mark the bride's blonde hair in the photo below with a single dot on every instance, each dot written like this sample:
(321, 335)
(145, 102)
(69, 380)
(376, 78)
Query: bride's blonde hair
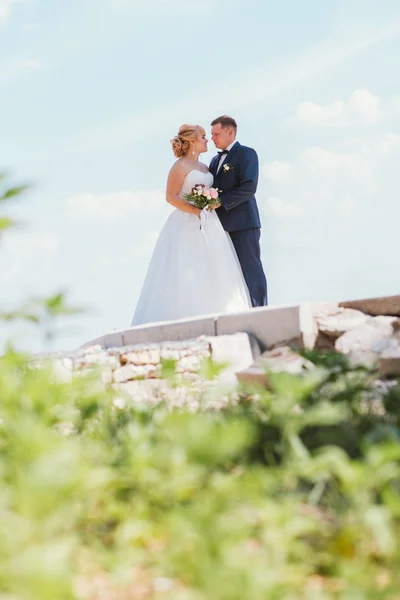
(186, 135)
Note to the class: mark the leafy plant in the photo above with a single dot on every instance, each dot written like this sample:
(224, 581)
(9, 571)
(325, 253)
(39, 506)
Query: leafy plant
(287, 494)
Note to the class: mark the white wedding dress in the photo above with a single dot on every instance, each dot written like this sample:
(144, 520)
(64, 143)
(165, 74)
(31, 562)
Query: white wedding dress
(194, 269)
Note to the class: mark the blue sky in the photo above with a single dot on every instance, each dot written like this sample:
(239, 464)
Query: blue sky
(91, 91)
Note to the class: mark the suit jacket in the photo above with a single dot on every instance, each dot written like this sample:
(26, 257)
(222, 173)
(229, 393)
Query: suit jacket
(239, 208)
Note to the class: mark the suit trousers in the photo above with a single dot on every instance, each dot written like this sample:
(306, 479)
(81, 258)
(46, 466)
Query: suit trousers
(247, 246)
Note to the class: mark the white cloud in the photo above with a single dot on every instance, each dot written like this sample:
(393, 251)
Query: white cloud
(245, 88)
(328, 182)
(27, 262)
(116, 206)
(167, 4)
(280, 208)
(13, 69)
(277, 171)
(362, 108)
(32, 26)
(30, 63)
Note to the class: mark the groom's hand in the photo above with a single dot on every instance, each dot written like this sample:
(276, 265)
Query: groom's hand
(214, 206)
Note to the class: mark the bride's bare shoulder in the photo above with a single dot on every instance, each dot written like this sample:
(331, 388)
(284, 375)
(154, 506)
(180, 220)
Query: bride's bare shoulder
(181, 166)
(177, 173)
(179, 170)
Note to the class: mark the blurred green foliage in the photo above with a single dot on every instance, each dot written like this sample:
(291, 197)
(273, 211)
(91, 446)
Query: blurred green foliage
(257, 501)
(287, 494)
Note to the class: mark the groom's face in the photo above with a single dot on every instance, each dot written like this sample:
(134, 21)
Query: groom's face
(222, 136)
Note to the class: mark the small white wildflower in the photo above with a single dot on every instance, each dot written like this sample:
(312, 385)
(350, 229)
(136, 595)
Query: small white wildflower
(163, 584)
(67, 428)
(119, 402)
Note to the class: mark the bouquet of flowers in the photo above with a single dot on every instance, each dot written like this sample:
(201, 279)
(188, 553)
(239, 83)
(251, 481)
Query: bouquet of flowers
(203, 196)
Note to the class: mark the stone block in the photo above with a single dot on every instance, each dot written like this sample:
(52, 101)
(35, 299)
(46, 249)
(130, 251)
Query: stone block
(365, 343)
(270, 325)
(169, 331)
(253, 375)
(281, 359)
(385, 305)
(114, 339)
(131, 372)
(389, 363)
(233, 350)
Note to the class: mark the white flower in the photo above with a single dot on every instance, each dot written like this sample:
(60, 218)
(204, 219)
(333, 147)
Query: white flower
(163, 584)
(119, 402)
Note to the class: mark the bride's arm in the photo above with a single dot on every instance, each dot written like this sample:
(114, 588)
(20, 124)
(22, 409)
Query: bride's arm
(175, 180)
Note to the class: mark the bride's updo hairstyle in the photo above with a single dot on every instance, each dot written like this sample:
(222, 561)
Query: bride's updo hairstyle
(187, 134)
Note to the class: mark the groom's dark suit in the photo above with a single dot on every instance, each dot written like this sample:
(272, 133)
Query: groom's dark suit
(239, 214)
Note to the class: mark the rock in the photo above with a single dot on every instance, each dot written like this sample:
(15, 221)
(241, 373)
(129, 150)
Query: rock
(153, 392)
(180, 349)
(253, 374)
(89, 350)
(333, 323)
(282, 359)
(233, 350)
(101, 358)
(389, 363)
(386, 305)
(150, 355)
(62, 369)
(324, 342)
(189, 364)
(106, 375)
(148, 391)
(130, 372)
(364, 343)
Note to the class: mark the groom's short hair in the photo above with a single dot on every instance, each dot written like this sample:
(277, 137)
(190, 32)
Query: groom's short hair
(225, 121)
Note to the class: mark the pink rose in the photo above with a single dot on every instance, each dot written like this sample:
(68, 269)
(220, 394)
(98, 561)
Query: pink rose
(206, 191)
(214, 194)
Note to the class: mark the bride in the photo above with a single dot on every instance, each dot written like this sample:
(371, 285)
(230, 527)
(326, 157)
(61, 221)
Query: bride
(194, 269)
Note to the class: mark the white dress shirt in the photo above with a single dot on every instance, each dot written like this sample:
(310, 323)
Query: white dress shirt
(223, 156)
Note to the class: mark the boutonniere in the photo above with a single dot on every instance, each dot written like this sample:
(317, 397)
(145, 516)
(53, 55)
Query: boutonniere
(227, 167)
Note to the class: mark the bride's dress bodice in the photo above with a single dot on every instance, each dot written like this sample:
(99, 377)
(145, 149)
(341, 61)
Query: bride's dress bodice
(195, 177)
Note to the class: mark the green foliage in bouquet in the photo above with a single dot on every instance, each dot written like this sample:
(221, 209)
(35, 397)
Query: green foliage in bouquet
(203, 196)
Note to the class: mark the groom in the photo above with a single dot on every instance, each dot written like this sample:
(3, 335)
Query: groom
(235, 170)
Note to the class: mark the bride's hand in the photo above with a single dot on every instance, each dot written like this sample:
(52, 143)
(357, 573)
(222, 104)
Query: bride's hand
(214, 206)
(197, 212)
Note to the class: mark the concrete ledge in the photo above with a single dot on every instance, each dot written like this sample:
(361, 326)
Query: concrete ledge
(271, 325)
(114, 339)
(172, 331)
(100, 341)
